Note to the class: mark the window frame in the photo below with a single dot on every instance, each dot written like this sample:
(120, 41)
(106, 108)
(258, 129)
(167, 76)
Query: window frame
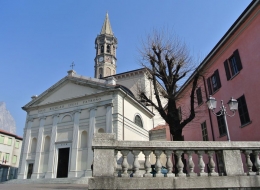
(7, 155)
(9, 141)
(17, 144)
(14, 156)
(221, 125)
(3, 138)
(213, 87)
(138, 116)
(233, 65)
(243, 110)
(204, 131)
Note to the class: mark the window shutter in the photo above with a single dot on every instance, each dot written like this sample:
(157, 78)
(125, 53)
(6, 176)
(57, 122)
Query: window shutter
(209, 86)
(217, 77)
(227, 69)
(238, 60)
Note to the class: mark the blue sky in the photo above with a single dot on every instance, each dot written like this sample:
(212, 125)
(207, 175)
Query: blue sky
(40, 39)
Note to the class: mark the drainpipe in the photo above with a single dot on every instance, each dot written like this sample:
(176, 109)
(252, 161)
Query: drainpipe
(210, 119)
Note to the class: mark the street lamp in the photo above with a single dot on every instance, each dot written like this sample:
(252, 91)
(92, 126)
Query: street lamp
(232, 103)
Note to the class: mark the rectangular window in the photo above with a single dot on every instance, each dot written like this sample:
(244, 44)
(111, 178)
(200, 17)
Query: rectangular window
(233, 65)
(9, 142)
(204, 131)
(17, 144)
(221, 125)
(243, 111)
(14, 159)
(2, 139)
(199, 96)
(7, 157)
(214, 83)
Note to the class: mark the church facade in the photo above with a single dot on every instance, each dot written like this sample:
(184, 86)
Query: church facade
(62, 120)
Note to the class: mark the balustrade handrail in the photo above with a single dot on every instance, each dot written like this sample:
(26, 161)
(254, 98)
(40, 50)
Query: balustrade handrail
(111, 143)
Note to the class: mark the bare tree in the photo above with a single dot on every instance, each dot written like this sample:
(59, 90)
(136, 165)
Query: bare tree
(169, 62)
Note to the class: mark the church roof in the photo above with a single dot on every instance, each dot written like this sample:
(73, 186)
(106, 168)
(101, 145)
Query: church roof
(10, 134)
(106, 28)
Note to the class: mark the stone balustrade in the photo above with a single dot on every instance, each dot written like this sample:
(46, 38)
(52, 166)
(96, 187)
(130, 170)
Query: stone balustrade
(224, 161)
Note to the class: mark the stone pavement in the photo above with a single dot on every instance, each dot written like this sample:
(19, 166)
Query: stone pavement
(42, 186)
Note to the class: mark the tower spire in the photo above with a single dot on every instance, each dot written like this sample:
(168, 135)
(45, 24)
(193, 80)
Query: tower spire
(105, 45)
(106, 28)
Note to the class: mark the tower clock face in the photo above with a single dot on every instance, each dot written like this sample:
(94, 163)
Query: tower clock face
(100, 59)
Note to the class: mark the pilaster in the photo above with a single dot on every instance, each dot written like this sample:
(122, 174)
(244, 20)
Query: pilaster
(109, 118)
(92, 122)
(37, 161)
(50, 169)
(74, 151)
(22, 170)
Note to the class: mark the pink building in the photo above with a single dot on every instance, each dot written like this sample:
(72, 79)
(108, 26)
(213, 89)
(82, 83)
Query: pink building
(231, 69)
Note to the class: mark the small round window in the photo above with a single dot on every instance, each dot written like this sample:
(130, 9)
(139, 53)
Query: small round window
(138, 121)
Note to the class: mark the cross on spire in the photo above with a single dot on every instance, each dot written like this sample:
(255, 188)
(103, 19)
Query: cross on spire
(72, 65)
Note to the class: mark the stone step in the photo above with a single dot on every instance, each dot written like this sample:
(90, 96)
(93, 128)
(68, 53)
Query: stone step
(81, 180)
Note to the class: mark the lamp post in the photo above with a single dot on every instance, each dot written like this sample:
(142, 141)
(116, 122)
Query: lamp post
(232, 103)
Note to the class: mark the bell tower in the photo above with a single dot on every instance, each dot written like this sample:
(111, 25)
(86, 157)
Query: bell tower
(106, 45)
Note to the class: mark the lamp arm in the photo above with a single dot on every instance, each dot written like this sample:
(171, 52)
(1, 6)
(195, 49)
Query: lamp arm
(232, 114)
(221, 113)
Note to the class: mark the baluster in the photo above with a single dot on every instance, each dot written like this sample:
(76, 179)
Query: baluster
(115, 163)
(169, 164)
(136, 164)
(180, 164)
(257, 162)
(191, 164)
(147, 164)
(125, 163)
(158, 165)
(201, 164)
(249, 163)
(211, 164)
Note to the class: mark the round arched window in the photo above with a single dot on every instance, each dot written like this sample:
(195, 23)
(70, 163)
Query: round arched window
(138, 121)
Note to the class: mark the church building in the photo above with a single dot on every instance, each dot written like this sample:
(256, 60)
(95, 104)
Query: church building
(61, 121)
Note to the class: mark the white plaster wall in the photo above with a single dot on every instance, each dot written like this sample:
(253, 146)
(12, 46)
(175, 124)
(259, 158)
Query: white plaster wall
(11, 150)
(140, 82)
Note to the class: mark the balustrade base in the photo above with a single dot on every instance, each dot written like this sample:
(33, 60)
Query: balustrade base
(213, 174)
(251, 173)
(125, 175)
(203, 174)
(192, 175)
(137, 175)
(170, 175)
(148, 175)
(181, 175)
(159, 175)
(218, 182)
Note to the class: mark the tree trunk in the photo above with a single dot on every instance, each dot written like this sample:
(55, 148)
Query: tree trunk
(178, 135)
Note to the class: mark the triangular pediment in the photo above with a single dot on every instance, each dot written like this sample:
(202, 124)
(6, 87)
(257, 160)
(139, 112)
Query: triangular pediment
(68, 88)
(68, 91)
